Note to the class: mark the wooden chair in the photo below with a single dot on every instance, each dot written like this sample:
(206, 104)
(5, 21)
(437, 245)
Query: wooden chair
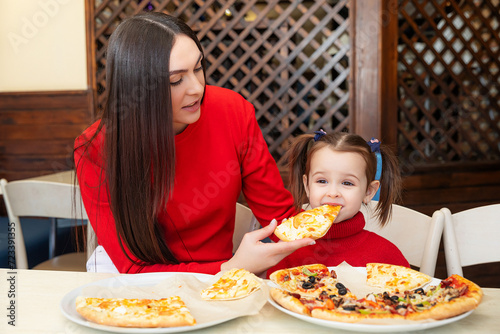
(471, 237)
(49, 196)
(417, 235)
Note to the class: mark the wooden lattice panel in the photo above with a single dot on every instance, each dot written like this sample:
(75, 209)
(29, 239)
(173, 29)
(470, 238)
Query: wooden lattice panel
(448, 81)
(288, 58)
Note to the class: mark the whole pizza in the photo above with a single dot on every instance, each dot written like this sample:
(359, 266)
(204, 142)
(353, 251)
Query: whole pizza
(315, 291)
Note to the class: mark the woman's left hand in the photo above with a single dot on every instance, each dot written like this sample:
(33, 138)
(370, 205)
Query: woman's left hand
(257, 256)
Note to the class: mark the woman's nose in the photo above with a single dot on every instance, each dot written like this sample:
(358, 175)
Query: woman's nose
(196, 84)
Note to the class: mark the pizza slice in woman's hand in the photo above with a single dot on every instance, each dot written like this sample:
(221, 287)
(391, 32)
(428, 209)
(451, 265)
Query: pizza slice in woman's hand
(312, 223)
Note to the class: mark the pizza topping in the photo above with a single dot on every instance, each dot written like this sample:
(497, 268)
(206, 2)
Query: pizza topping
(308, 273)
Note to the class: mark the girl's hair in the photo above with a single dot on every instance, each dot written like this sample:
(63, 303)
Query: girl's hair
(139, 140)
(299, 161)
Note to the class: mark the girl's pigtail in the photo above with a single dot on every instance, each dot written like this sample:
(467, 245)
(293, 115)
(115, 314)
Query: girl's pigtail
(297, 163)
(390, 185)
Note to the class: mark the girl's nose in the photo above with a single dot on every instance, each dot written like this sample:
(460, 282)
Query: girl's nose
(333, 192)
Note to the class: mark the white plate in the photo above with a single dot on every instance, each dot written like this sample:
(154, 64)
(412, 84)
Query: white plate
(371, 327)
(68, 308)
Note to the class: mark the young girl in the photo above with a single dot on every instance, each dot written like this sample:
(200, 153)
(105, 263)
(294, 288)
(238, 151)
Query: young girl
(160, 172)
(339, 169)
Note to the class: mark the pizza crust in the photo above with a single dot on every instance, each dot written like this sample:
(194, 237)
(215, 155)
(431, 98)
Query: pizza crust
(334, 315)
(289, 302)
(312, 223)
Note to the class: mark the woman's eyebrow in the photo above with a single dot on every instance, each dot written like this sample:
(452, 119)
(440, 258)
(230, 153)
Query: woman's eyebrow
(184, 70)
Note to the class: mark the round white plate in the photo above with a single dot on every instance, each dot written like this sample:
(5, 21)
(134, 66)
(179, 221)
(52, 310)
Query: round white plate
(371, 327)
(68, 308)
(368, 327)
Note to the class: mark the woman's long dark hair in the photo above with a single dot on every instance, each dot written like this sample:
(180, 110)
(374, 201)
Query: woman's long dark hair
(139, 140)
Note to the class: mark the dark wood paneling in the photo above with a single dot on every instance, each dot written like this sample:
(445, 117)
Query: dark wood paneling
(365, 68)
(38, 130)
(458, 187)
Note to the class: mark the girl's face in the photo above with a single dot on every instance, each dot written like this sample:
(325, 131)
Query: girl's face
(338, 178)
(187, 83)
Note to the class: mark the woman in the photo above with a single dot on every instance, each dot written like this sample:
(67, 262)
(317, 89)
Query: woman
(161, 171)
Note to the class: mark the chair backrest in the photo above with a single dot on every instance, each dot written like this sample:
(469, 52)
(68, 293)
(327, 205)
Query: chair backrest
(245, 222)
(471, 237)
(417, 235)
(39, 198)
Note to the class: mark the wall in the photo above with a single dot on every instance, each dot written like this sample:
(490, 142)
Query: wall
(45, 98)
(42, 45)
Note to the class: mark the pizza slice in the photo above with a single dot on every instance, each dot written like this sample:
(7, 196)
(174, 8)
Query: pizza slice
(312, 223)
(233, 284)
(309, 281)
(307, 305)
(394, 278)
(453, 296)
(122, 312)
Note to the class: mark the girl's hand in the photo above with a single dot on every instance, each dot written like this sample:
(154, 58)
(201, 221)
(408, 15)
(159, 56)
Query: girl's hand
(256, 256)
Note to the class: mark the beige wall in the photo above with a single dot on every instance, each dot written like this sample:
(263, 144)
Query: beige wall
(42, 45)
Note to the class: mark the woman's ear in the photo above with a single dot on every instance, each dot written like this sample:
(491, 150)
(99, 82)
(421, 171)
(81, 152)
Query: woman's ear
(371, 191)
(306, 186)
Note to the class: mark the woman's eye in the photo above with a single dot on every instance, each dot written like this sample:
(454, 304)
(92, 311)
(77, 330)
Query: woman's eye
(175, 83)
(198, 69)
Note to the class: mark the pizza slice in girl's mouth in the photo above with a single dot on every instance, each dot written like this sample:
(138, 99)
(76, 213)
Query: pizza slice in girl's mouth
(312, 223)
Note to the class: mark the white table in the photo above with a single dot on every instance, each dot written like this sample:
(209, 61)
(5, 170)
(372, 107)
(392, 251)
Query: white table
(38, 294)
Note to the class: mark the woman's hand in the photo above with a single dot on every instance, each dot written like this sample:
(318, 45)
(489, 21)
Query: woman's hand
(256, 256)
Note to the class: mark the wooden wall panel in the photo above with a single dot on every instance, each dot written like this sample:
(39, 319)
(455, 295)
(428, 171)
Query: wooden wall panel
(37, 131)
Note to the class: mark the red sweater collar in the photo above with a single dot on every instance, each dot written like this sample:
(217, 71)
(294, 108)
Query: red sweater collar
(346, 228)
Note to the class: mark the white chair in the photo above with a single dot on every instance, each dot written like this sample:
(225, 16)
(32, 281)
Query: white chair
(417, 235)
(245, 222)
(471, 237)
(50, 196)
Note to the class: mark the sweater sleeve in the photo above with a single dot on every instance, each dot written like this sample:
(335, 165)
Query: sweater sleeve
(262, 186)
(94, 192)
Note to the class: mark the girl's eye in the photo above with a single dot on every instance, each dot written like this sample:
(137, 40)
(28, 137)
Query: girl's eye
(347, 183)
(321, 181)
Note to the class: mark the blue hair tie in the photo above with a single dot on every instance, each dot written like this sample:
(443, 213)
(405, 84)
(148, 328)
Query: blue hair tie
(319, 134)
(374, 144)
(375, 147)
